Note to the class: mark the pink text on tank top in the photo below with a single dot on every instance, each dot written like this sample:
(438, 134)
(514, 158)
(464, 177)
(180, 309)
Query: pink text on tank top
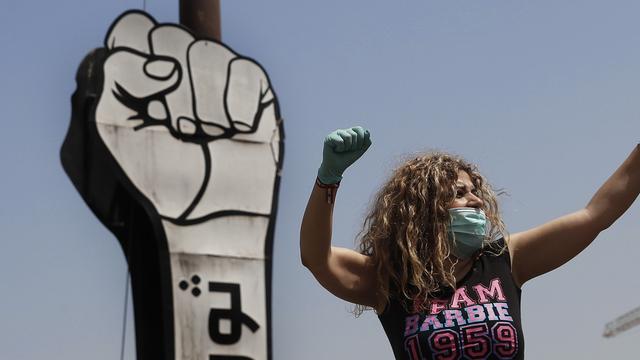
(480, 304)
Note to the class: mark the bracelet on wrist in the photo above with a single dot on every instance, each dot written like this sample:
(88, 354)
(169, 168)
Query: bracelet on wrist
(330, 190)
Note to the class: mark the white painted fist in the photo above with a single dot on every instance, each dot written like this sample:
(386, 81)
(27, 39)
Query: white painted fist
(193, 125)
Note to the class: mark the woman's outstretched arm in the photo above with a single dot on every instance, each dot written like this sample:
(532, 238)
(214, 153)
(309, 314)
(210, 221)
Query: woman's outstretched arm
(618, 192)
(546, 247)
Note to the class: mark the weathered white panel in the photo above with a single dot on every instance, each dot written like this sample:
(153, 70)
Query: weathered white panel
(241, 236)
(193, 313)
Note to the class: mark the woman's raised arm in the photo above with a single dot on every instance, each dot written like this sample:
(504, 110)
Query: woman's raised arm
(346, 273)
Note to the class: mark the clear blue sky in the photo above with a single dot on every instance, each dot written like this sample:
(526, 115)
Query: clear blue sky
(543, 96)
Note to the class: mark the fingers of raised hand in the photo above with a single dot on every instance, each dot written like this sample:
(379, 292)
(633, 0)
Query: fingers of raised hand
(365, 136)
(357, 133)
(352, 139)
(347, 141)
(333, 140)
(362, 139)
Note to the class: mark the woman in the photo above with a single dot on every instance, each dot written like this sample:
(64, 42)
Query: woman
(435, 261)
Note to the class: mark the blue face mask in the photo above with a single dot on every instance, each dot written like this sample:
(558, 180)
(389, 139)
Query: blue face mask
(468, 226)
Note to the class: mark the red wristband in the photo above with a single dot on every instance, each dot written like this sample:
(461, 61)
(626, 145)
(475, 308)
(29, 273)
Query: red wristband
(330, 190)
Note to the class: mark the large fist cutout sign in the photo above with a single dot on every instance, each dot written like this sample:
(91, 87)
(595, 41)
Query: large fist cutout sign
(176, 144)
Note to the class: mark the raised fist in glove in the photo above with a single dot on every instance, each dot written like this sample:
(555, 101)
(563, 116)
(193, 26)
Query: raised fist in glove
(342, 148)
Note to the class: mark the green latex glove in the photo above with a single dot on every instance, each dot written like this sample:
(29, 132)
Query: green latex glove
(342, 148)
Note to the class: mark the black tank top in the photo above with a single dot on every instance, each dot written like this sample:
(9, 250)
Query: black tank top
(480, 320)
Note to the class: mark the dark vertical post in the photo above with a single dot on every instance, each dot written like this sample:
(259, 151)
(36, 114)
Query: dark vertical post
(202, 17)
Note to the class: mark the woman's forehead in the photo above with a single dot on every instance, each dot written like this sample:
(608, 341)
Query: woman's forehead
(464, 178)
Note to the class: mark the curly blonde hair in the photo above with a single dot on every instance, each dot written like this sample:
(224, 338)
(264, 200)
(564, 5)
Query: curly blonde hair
(405, 230)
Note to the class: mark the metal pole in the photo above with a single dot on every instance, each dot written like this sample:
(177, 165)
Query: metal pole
(202, 17)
